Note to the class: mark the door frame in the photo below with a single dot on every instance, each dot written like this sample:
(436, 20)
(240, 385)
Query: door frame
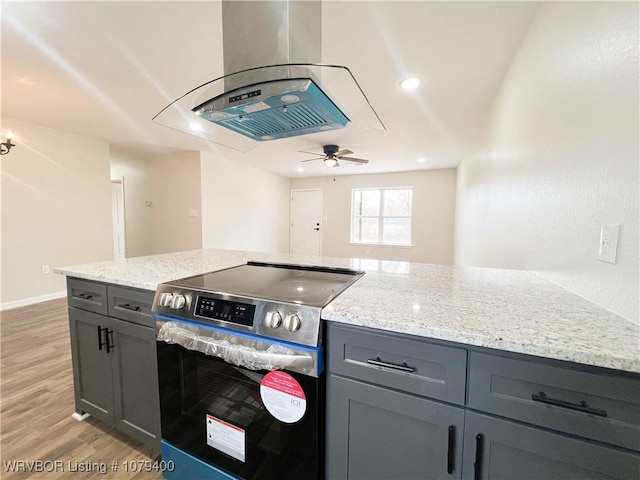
(115, 182)
(292, 191)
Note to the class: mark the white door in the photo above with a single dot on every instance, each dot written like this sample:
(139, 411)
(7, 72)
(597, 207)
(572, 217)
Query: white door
(306, 222)
(117, 208)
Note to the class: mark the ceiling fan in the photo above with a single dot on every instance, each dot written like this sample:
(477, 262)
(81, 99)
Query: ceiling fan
(332, 154)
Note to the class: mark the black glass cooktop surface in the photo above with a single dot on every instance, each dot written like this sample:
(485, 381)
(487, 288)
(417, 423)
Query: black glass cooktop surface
(314, 286)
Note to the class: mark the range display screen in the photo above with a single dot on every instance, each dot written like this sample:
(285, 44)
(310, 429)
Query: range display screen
(233, 312)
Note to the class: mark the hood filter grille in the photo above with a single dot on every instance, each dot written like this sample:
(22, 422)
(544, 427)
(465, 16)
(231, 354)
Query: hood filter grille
(279, 122)
(278, 109)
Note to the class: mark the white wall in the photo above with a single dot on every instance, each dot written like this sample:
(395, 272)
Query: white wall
(561, 157)
(243, 208)
(56, 209)
(434, 194)
(171, 183)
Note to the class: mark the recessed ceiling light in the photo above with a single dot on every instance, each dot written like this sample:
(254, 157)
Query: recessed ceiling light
(300, 169)
(410, 83)
(422, 160)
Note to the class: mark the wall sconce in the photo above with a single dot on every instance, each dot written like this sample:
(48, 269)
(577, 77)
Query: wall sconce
(6, 146)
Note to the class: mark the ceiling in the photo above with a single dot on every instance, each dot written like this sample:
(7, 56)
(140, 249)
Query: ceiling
(105, 69)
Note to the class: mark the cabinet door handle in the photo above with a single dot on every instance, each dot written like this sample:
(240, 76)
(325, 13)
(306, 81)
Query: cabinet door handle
(580, 407)
(109, 338)
(84, 296)
(477, 465)
(451, 449)
(126, 306)
(100, 342)
(404, 367)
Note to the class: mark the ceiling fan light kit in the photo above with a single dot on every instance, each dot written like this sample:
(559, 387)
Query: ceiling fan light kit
(331, 162)
(333, 156)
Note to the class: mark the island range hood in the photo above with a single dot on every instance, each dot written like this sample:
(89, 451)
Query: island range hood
(275, 85)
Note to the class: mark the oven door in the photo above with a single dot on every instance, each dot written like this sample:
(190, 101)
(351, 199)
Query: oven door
(251, 422)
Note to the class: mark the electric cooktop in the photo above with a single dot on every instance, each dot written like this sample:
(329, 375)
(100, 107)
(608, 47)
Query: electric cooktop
(273, 300)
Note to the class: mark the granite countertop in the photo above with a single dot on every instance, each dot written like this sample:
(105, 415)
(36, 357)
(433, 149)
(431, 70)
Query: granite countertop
(509, 310)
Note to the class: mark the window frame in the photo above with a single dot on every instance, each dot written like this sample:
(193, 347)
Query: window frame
(380, 217)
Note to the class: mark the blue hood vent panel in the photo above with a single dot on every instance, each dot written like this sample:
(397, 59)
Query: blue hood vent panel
(273, 110)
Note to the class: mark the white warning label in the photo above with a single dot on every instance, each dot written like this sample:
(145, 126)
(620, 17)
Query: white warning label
(225, 437)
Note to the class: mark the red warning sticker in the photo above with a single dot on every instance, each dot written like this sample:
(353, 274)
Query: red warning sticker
(283, 396)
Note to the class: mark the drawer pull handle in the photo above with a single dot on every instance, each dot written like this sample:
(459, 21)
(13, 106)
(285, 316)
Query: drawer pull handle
(84, 296)
(477, 465)
(451, 449)
(379, 363)
(126, 306)
(580, 407)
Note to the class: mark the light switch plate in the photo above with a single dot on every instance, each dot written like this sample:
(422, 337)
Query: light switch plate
(608, 243)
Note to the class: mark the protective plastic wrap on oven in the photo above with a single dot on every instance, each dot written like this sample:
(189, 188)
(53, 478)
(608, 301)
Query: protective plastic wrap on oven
(241, 350)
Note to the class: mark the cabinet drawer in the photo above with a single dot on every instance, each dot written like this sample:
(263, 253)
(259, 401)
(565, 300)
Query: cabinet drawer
(588, 404)
(391, 360)
(131, 305)
(87, 295)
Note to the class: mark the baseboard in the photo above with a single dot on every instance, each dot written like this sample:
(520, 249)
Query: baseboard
(30, 301)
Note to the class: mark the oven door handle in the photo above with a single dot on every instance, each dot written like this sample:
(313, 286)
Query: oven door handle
(254, 354)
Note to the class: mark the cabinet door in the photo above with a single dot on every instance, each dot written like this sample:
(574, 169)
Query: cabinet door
(376, 433)
(91, 364)
(135, 382)
(500, 449)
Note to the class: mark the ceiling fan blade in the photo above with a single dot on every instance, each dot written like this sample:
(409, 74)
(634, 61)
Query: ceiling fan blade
(312, 159)
(343, 152)
(310, 153)
(354, 160)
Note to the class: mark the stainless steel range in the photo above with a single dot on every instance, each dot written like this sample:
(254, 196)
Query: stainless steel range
(277, 301)
(240, 365)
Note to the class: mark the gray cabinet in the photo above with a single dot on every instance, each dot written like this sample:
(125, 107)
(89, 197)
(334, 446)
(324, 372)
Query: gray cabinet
(92, 373)
(561, 421)
(385, 417)
(585, 403)
(392, 401)
(375, 433)
(500, 449)
(114, 358)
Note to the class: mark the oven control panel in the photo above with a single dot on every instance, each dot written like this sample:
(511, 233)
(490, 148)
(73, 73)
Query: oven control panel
(276, 320)
(225, 310)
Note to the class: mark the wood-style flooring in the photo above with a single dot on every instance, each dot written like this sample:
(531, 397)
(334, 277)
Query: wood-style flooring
(36, 403)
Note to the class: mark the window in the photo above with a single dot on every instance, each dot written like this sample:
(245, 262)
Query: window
(381, 216)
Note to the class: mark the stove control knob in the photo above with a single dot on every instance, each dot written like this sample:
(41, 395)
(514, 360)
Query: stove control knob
(292, 323)
(178, 301)
(273, 319)
(165, 299)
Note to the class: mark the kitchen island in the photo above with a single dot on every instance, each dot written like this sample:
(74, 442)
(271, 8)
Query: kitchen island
(509, 310)
(474, 372)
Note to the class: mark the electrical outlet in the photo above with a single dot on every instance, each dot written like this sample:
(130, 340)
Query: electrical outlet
(608, 248)
(44, 269)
